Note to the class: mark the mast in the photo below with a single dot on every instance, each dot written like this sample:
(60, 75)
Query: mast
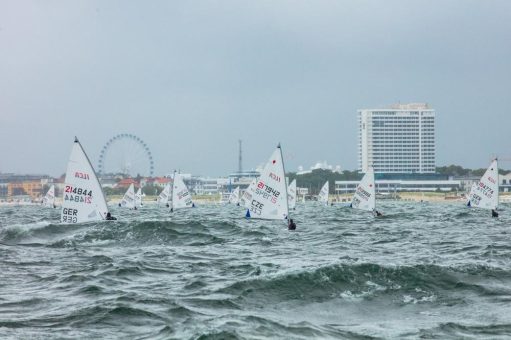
(374, 186)
(498, 182)
(285, 180)
(172, 192)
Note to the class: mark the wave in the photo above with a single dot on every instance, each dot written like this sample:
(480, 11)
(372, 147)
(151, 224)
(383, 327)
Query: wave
(242, 327)
(458, 331)
(140, 233)
(405, 284)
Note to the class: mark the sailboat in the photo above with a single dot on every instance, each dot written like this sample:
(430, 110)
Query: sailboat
(266, 198)
(485, 194)
(83, 198)
(164, 197)
(138, 198)
(467, 195)
(365, 194)
(49, 198)
(323, 194)
(181, 197)
(128, 201)
(234, 198)
(247, 194)
(291, 195)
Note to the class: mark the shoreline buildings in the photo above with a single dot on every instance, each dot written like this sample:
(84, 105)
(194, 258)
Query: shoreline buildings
(398, 142)
(23, 187)
(399, 139)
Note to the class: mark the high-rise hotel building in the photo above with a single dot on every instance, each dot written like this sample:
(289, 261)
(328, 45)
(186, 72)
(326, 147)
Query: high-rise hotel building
(400, 139)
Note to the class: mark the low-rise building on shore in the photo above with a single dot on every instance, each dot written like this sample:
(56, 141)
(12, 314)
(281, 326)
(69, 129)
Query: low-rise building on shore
(394, 185)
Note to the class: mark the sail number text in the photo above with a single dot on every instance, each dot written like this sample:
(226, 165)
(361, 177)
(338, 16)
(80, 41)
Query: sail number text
(363, 193)
(274, 177)
(486, 190)
(267, 192)
(256, 207)
(78, 195)
(81, 175)
(78, 191)
(69, 215)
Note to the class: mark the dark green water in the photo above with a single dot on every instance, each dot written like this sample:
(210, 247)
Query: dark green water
(422, 271)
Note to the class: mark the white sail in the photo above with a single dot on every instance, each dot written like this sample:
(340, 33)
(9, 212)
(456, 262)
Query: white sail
(291, 194)
(128, 201)
(267, 197)
(323, 194)
(246, 198)
(164, 197)
(234, 198)
(83, 199)
(181, 197)
(49, 198)
(485, 194)
(138, 198)
(365, 195)
(472, 189)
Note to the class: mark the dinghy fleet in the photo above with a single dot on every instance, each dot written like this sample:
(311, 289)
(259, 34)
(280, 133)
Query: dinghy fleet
(267, 197)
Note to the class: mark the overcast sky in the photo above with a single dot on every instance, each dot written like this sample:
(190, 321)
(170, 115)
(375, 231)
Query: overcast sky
(192, 77)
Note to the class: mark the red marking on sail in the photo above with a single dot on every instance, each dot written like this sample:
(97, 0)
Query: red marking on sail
(274, 161)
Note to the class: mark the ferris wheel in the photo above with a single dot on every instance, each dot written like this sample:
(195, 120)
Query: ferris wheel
(126, 154)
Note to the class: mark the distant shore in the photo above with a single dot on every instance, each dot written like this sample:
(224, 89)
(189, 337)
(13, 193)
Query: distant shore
(433, 197)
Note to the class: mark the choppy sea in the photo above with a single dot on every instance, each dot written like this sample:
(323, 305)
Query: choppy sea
(422, 271)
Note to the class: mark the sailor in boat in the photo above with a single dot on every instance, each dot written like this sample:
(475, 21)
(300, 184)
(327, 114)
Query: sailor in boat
(494, 213)
(377, 213)
(291, 225)
(109, 217)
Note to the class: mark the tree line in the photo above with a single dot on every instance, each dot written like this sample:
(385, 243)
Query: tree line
(315, 179)
(458, 171)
